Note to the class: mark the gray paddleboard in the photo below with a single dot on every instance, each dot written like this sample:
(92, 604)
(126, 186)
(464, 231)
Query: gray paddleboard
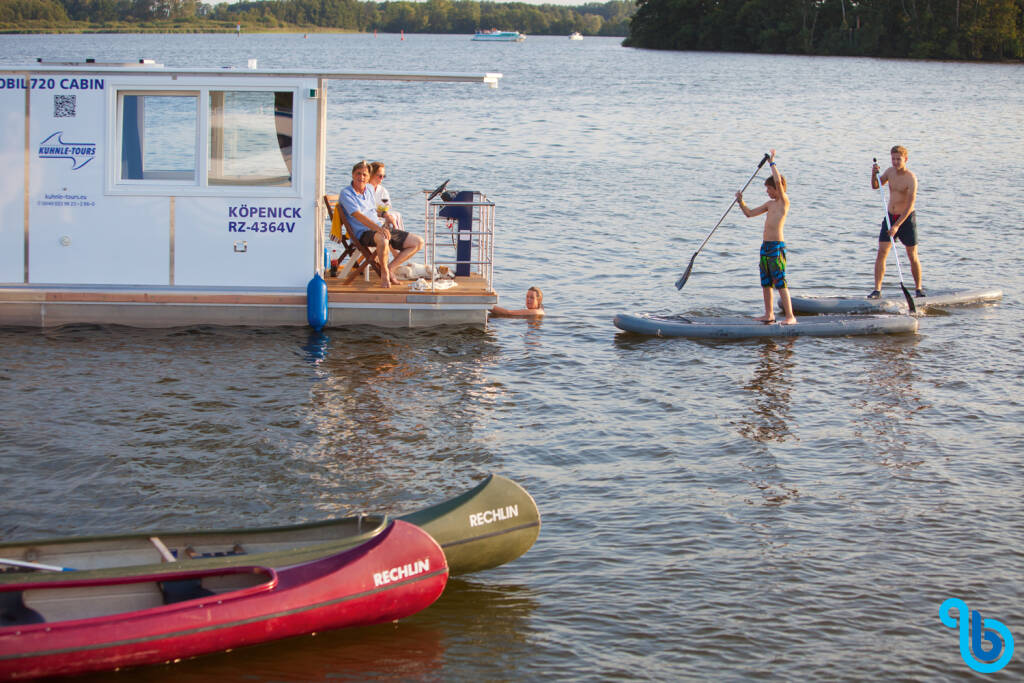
(747, 328)
(892, 302)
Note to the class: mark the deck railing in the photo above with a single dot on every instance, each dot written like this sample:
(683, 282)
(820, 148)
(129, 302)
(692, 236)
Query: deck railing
(445, 235)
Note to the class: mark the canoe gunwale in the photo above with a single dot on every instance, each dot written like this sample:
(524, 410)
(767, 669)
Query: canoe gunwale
(468, 547)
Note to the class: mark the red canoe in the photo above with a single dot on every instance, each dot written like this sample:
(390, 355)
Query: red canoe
(69, 627)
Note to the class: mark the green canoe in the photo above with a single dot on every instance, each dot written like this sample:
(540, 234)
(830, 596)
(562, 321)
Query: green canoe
(494, 523)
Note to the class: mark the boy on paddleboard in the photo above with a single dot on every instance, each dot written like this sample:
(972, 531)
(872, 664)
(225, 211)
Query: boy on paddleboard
(902, 222)
(773, 248)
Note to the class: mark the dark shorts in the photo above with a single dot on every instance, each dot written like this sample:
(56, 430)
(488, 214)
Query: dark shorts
(907, 232)
(398, 238)
(773, 264)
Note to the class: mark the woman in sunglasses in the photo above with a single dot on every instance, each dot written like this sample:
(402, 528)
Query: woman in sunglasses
(381, 196)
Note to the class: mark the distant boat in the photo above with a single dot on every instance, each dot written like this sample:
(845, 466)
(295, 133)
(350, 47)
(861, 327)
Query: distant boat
(575, 35)
(494, 35)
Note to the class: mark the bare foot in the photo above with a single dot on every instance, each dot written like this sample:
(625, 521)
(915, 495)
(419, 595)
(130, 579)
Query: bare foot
(791, 320)
(768, 319)
(385, 282)
(395, 280)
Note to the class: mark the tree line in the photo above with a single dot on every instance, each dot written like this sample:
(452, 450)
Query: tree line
(922, 29)
(433, 16)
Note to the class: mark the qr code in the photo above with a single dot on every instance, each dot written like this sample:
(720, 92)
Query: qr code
(63, 106)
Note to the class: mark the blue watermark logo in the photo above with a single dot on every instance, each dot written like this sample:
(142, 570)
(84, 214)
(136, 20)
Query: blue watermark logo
(974, 630)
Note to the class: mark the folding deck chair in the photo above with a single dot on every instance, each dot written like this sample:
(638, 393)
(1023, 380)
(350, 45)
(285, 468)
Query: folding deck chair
(342, 233)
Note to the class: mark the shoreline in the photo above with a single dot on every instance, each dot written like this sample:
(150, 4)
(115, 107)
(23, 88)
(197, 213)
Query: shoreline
(170, 29)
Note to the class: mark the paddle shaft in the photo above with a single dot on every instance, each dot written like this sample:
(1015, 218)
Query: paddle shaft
(686, 275)
(892, 241)
(734, 200)
(35, 565)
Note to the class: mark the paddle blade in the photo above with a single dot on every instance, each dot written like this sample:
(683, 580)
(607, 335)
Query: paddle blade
(686, 276)
(910, 300)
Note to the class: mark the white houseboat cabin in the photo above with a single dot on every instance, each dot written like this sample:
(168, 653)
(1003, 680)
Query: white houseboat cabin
(217, 177)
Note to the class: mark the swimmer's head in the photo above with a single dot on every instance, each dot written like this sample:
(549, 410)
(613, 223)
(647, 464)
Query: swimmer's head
(534, 298)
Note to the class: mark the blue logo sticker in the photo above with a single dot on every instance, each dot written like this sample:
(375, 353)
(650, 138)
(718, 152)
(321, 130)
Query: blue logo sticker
(974, 630)
(80, 153)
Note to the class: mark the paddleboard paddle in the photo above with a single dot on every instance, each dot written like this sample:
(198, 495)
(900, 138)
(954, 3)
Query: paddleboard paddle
(689, 269)
(885, 205)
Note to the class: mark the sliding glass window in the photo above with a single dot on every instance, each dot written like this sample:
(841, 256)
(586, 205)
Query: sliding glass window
(250, 138)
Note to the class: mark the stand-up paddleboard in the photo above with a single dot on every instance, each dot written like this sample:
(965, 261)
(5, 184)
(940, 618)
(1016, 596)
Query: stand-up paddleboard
(894, 304)
(748, 328)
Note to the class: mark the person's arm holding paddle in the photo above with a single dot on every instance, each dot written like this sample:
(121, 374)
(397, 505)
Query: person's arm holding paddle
(747, 211)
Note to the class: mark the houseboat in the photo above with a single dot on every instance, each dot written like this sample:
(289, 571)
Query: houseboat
(142, 195)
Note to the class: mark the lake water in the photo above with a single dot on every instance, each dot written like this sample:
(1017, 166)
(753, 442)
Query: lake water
(769, 510)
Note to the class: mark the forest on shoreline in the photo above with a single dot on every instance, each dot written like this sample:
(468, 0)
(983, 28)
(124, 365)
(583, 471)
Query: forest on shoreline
(918, 29)
(977, 30)
(433, 16)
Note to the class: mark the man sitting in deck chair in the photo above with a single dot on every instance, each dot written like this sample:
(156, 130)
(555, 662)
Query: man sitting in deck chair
(356, 200)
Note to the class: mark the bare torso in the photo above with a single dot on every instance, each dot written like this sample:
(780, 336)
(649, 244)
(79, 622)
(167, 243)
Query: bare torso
(902, 190)
(774, 219)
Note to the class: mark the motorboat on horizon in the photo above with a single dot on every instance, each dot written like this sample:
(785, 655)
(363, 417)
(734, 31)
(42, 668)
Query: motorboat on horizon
(494, 35)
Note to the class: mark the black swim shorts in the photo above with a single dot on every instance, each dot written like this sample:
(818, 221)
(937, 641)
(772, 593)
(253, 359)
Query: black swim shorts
(907, 232)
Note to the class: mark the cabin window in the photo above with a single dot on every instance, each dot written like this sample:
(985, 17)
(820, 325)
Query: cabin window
(158, 136)
(250, 138)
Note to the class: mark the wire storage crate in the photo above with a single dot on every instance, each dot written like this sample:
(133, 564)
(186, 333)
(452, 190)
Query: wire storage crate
(460, 235)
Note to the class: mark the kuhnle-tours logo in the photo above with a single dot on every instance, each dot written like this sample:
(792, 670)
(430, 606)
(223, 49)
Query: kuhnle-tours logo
(80, 153)
(973, 630)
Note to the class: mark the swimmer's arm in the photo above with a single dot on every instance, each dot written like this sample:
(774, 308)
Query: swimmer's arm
(499, 312)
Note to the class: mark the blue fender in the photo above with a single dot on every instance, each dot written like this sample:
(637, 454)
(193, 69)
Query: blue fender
(316, 302)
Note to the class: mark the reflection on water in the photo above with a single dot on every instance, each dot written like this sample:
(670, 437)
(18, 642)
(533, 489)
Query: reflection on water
(888, 401)
(386, 399)
(488, 617)
(399, 651)
(316, 346)
(769, 417)
(769, 420)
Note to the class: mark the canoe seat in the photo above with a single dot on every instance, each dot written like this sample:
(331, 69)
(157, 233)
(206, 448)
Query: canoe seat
(14, 612)
(185, 589)
(193, 554)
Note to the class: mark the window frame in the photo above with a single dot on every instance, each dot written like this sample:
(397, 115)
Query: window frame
(116, 156)
(200, 186)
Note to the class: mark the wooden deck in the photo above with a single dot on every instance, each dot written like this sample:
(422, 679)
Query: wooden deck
(360, 290)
